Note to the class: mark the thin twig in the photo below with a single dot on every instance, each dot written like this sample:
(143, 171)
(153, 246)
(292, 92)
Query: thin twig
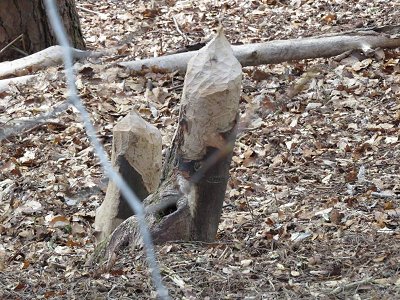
(91, 11)
(11, 43)
(20, 51)
(110, 291)
(211, 272)
(180, 31)
(250, 209)
(350, 285)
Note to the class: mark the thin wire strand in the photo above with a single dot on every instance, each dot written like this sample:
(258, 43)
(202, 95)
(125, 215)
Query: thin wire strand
(114, 176)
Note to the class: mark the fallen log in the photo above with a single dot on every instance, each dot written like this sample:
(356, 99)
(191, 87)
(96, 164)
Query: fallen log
(6, 83)
(248, 55)
(278, 51)
(52, 56)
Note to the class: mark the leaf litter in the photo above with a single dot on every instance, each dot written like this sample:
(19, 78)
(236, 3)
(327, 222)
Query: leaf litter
(312, 206)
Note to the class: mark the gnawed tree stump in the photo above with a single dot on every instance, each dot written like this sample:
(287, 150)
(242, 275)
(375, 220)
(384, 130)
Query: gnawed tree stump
(188, 203)
(136, 154)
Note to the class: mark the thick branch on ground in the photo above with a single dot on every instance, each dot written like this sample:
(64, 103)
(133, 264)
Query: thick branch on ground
(286, 50)
(6, 83)
(188, 203)
(248, 55)
(51, 56)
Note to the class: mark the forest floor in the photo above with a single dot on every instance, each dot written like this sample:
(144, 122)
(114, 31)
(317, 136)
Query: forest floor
(312, 209)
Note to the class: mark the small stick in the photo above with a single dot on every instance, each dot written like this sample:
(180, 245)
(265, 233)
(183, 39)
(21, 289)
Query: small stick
(20, 51)
(180, 31)
(11, 43)
(90, 11)
(350, 285)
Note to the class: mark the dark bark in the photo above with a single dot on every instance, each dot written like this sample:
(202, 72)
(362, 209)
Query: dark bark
(211, 181)
(27, 19)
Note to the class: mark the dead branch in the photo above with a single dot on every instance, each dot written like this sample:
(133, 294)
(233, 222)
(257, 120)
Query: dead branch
(350, 286)
(278, 51)
(6, 83)
(51, 56)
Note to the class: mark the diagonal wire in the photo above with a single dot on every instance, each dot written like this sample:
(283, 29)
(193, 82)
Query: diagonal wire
(114, 176)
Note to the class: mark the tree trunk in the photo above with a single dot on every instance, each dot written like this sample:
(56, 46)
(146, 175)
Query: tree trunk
(198, 164)
(188, 203)
(25, 29)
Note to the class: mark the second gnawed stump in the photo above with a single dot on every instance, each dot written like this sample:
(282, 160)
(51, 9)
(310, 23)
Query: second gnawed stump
(188, 203)
(136, 155)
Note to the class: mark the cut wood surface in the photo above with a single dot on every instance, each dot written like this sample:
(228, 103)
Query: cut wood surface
(188, 204)
(287, 50)
(136, 154)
